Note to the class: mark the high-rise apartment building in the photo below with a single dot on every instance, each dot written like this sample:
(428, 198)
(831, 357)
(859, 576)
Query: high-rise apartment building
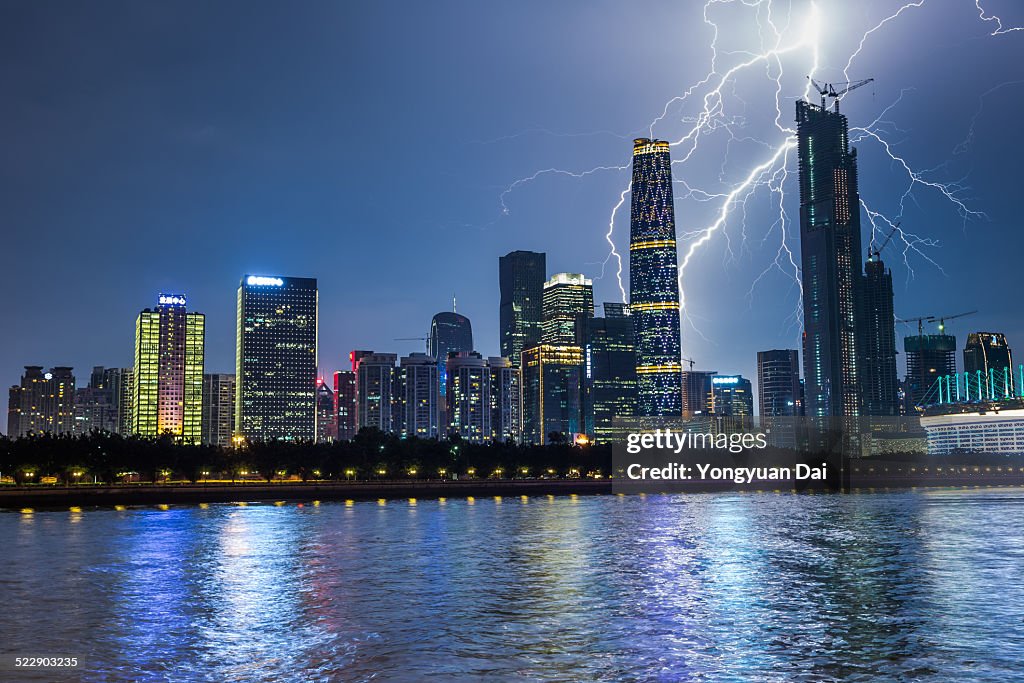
(778, 383)
(450, 332)
(830, 260)
(654, 283)
(987, 355)
(553, 386)
(219, 390)
(345, 404)
(506, 400)
(43, 402)
(375, 385)
(568, 301)
(521, 276)
(609, 357)
(168, 375)
(418, 396)
(469, 397)
(276, 358)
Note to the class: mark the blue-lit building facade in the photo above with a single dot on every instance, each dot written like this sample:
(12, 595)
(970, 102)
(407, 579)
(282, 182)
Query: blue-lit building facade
(450, 332)
(654, 284)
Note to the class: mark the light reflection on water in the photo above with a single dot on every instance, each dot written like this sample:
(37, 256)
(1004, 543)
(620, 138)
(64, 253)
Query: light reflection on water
(916, 585)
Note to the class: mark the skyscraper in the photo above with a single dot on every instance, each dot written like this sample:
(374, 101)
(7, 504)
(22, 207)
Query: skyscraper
(449, 332)
(778, 383)
(345, 403)
(168, 376)
(521, 276)
(987, 354)
(418, 399)
(876, 346)
(553, 385)
(469, 396)
(95, 406)
(568, 301)
(830, 260)
(43, 402)
(732, 395)
(219, 391)
(610, 360)
(929, 357)
(276, 358)
(506, 400)
(697, 391)
(375, 385)
(653, 281)
(326, 414)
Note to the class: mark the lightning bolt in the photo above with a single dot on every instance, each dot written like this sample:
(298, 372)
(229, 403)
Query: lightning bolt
(999, 22)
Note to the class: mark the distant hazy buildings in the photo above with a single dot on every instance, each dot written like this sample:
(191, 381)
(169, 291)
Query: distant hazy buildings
(653, 279)
(168, 378)
(610, 371)
(830, 260)
(876, 345)
(553, 385)
(450, 332)
(987, 357)
(43, 402)
(732, 396)
(276, 358)
(521, 276)
(345, 404)
(418, 396)
(375, 384)
(778, 383)
(218, 408)
(568, 301)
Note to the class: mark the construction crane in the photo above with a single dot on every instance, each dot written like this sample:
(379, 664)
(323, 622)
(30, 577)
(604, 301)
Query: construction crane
(690, 361)
(829, 90)
(940, 319)
(877, 253)
(425, 340)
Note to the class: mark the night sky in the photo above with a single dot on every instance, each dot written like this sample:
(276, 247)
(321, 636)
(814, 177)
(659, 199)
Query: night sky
(152, 147)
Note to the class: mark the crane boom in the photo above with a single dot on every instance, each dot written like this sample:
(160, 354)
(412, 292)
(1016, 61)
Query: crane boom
(827, 90)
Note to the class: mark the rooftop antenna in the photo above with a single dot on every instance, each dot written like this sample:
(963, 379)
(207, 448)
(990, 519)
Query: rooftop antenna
(454, 310)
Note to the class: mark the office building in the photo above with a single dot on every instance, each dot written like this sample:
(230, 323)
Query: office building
(449, 333)
(219, 390)
(654, 283)
(879, 384)
(988, 360)
(521, 276)
(778, 383)
(568, 301)
(167, 398)
(929, 357)
(326, 413)
(419, 396)
(345, 404)
(610, 372)
(469, 397)
(553, 385)
(506, 400)
(375, 384)
(276, 358)
(697, 391)
(732, 396)
(830, 260)
(43, 402)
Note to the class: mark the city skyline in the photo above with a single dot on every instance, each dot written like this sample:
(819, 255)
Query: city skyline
(270, 238)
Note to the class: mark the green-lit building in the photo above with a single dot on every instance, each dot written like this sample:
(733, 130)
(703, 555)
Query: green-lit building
(167, 396)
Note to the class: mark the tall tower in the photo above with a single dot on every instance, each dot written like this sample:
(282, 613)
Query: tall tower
(830, 260)
(879, 386)
(653, 281)
(449, 331)
(168, 378)
(568, 303)
(521, 277)
(276, 357)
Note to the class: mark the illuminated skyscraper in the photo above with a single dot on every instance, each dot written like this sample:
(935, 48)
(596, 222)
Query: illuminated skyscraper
(168, 376)
(375, 385)
(830, 260)
(506, 400)
(469, 396)
(610, 360)
(219, 391)
(276, 358)
(449, 332)
(778, 383)
(345, 403)
(567, 303)
(42, 402)
(929, 357)
(876, 345)
(732, 395)
(418, 396)
(521, 276)
(653, 281)
(987, 355)
(697, 391)
(553, 386)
